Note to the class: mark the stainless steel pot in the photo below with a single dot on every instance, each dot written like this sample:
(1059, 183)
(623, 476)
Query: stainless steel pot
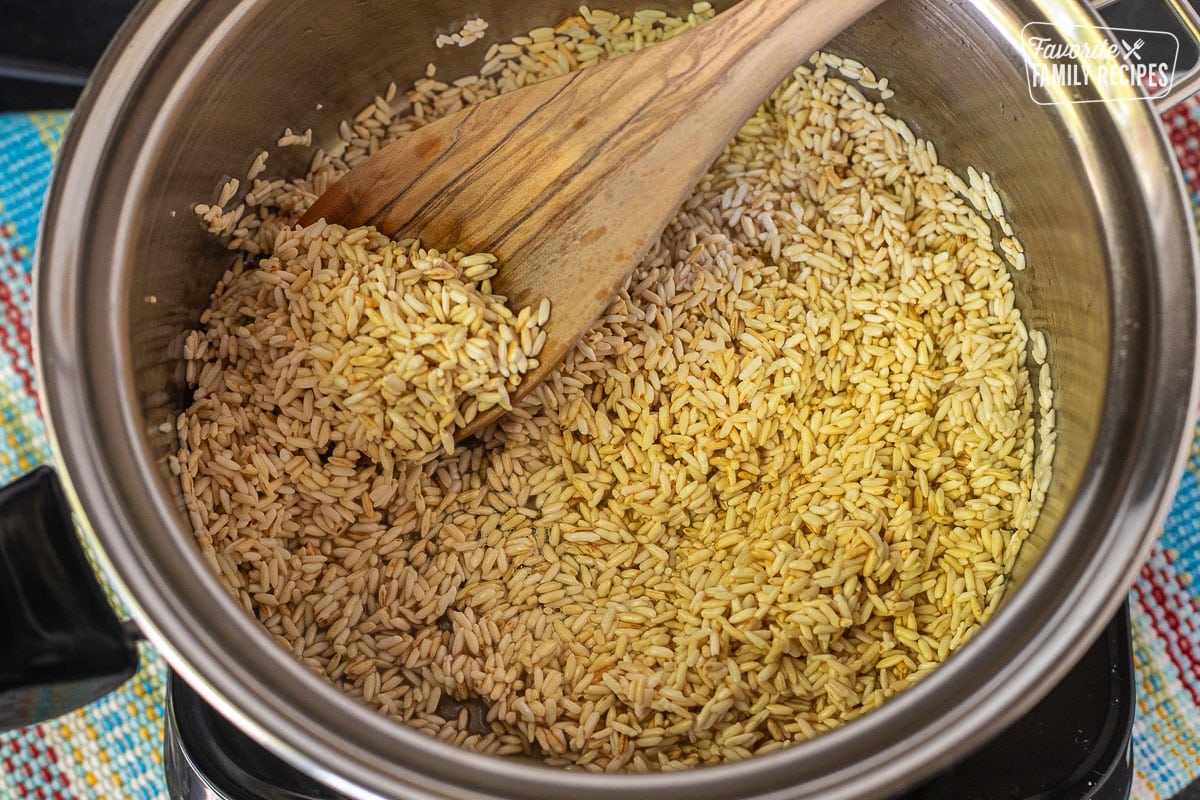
(193, 88)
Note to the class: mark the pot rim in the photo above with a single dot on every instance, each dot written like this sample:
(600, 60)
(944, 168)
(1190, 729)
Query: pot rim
(1032, 640)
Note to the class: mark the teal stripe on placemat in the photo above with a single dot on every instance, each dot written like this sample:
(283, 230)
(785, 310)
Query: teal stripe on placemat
(31, 142)
(127, 726)
(1181, 534)
(27, 147)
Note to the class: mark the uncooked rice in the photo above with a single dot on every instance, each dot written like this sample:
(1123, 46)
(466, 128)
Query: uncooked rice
(472, 31)
(784, 476)
(290, 139)
(386, 348)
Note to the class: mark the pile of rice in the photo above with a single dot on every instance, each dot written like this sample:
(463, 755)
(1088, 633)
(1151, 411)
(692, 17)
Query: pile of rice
(784, 476)
(347, 340)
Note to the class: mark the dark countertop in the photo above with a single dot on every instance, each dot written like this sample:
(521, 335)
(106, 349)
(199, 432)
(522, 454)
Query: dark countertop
(48, 47)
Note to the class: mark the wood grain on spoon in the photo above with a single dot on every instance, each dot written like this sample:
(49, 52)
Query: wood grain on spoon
(569, 181)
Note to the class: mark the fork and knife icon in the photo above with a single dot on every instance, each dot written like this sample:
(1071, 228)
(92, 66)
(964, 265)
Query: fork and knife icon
(1130, 51)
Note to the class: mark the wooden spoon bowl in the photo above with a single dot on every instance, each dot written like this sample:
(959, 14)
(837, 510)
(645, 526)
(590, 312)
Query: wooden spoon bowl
(569, 181)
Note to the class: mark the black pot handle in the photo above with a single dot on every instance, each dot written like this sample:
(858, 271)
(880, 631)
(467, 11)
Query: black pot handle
(61, 644)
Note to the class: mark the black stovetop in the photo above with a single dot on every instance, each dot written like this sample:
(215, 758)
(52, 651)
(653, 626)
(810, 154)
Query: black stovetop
(1074, 745)
(48, 49)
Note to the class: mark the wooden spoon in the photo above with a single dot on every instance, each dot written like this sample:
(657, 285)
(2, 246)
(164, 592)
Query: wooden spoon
(569, 181)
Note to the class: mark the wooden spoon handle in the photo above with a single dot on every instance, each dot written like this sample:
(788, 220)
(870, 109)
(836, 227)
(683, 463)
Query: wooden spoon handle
(689, 94)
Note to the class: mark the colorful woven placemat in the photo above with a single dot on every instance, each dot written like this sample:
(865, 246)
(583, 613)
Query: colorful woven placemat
(112, 748)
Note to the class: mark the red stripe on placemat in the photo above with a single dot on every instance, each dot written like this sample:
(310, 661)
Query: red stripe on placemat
(1157, 612)
(1182, 620)
(13, 314)
(16, 315)
(33, 764)
(1183, 129)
